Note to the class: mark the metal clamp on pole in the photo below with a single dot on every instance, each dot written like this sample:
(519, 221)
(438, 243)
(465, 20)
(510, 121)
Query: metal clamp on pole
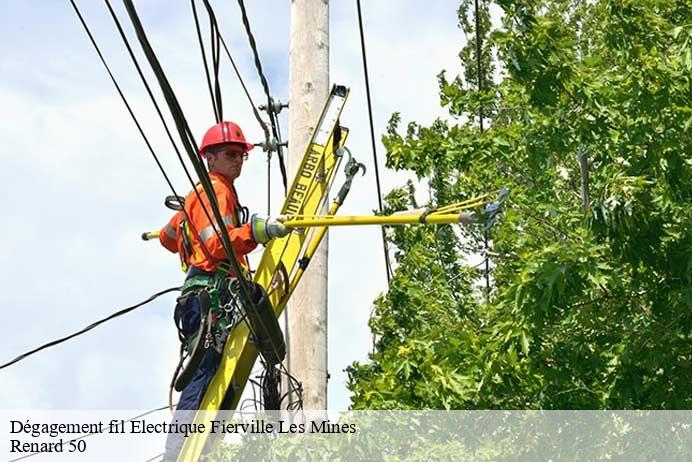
(271, 145)
(276, 106)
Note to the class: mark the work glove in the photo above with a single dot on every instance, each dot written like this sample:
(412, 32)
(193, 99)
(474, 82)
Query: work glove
(264, 229)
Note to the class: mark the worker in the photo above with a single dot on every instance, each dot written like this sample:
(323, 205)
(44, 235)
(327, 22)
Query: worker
(195, 238)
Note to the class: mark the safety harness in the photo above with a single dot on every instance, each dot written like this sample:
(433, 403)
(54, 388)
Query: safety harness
(217, 297)
(219, 312)
(220, 307)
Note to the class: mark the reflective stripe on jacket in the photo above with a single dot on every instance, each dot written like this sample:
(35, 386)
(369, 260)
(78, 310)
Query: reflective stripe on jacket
(171, 235)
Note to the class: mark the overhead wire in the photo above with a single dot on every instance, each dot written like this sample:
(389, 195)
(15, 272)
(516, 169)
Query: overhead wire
(265, 87)
(120, 92)
(388, 264)
(88, 328)
(216, 55)
(191, 147)
(133, 307)
(187, 139)
(205, 250)
(170, 98)
(214, 93)
(212, 197)
(480, 123)
(157, 457)
(255, 111)
(217, 37)
(269, 153)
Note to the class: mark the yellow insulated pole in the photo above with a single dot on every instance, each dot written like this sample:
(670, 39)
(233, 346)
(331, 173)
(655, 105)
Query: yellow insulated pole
(310, 251)
(390, 220)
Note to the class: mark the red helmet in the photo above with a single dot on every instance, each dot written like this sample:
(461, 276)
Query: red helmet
(223, 133)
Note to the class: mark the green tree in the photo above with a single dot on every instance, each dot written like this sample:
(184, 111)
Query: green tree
(588, 124)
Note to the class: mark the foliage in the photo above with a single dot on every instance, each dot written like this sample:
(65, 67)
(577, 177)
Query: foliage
(590, 300)
(422, 436)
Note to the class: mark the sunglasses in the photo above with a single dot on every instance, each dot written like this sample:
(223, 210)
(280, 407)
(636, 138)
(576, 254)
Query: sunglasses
(227, 152)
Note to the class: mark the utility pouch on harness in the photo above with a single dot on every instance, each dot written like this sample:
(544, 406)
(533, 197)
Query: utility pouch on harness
(211, 292)
(196, 345)
(269, 339)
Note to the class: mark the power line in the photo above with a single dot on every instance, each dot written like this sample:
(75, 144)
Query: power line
(188, 141)
(216, 102)
(192, 150)
(253, 46)
(219, 35)
(193, 157)
(480, 122)
(262, 123)
(129, 108)
(183, 129)
(88, 328)
(269, 154)
(185, 134)
(156, 457)
(215, 93)
(372, 140)
(265, 86)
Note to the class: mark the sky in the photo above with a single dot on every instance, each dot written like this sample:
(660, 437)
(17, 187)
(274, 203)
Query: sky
(79, 185)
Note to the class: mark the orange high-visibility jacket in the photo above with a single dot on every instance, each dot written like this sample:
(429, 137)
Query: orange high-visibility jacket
(206, 257)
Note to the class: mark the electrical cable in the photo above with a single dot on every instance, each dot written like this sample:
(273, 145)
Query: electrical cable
(88, 328)
(372, 140)
(156, 457)
(217, 38)
(480, 122)
(255, 111)
(265, 86)
(253, 46)
(158, 110)
(170, 98)
(213, 93)
(127, 310)
(215, 55)
(277, 135)
(187, 139)
(192, 150)
(263, 125)
(118, 25)
(269, 157)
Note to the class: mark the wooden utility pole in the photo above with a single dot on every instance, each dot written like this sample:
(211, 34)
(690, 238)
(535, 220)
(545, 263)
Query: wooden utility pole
(308, 90)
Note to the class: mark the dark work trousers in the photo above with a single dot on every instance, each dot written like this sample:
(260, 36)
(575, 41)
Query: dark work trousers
(192, 394)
